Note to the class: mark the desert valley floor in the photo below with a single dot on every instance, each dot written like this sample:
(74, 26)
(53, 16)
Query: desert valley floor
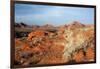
(42, 45)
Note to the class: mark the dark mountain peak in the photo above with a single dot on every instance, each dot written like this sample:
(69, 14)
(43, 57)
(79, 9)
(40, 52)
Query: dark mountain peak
(21, 25)
(48, 25)
(76, 24)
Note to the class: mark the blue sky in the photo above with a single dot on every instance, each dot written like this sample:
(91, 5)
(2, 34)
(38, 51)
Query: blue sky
(55, 15)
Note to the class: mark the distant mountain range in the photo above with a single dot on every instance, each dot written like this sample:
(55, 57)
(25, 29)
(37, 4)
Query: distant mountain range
(72, 25)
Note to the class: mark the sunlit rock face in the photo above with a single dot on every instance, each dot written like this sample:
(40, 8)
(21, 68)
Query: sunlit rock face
(71, 44)
(81, 38)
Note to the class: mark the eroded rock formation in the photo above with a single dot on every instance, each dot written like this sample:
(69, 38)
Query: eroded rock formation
(73, 44)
